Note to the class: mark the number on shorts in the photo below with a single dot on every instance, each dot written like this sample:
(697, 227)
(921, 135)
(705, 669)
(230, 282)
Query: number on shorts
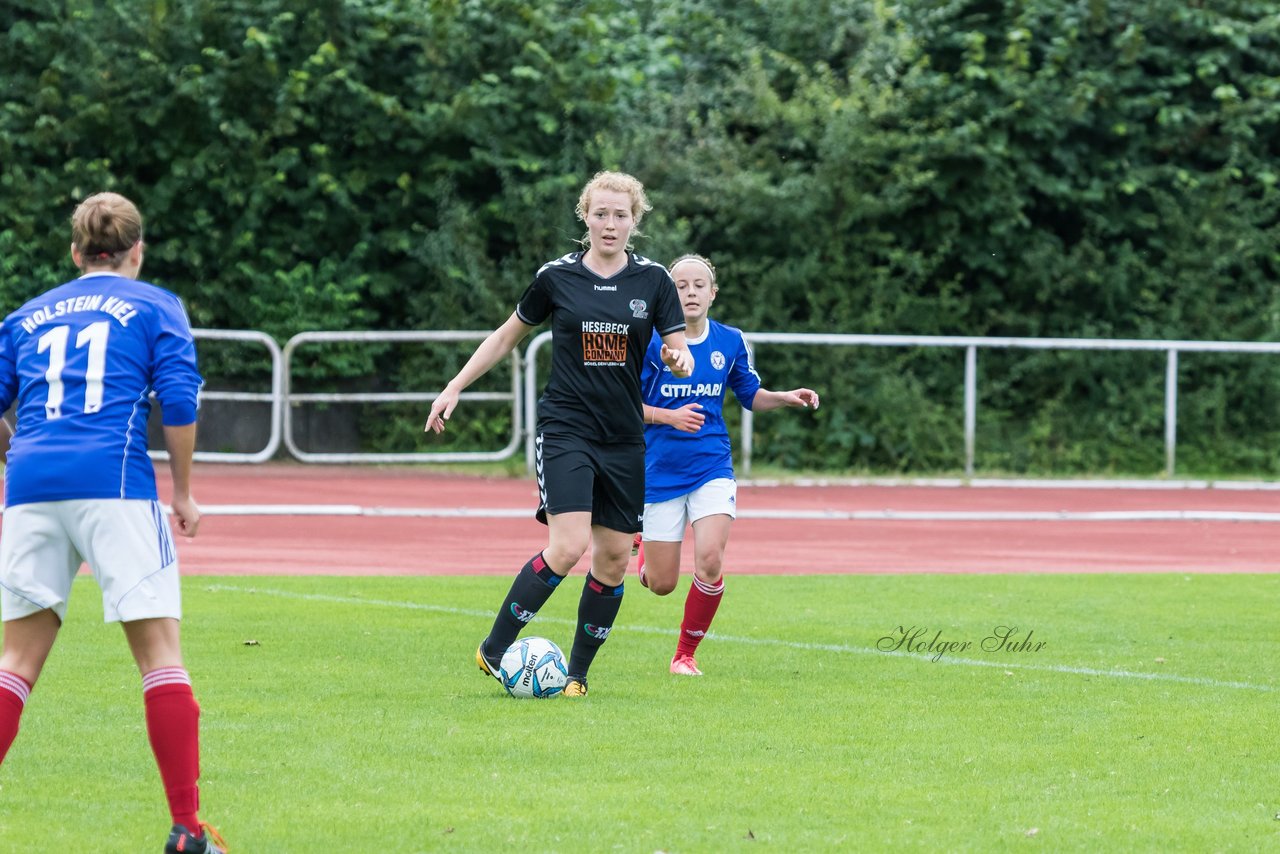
(55, 341)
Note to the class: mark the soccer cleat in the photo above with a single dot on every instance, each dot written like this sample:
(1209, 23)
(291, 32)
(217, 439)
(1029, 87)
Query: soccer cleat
(484, 665)
(575, 687)
(183, 841)
(684, 665)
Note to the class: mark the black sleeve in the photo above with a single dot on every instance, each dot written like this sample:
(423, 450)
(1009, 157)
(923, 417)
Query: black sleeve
(668, 316)
(535, 305)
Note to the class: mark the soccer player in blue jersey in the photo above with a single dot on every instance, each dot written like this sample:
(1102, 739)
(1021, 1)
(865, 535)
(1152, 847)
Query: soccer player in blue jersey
(81, 361)
(688, 463)
(605, 306)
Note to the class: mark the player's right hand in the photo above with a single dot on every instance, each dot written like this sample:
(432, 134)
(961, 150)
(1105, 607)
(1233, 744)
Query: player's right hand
(679, 361)
(441, 409)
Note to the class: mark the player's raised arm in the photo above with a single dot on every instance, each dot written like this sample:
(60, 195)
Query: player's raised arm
(491, 351)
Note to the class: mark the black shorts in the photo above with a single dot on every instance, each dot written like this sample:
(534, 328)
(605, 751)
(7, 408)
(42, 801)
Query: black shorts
(579, 475)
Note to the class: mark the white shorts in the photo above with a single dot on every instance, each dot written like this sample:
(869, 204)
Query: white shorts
(126, 542)
(665, 521)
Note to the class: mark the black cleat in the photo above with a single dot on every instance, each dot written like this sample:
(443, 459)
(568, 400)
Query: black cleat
(482, 661)
(183, 841)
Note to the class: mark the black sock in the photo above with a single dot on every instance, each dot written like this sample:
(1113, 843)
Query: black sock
(531, 588)
(596, 612)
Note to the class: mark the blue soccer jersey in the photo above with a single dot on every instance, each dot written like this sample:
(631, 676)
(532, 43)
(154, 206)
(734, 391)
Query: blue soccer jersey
(81, 361)
(676, 463)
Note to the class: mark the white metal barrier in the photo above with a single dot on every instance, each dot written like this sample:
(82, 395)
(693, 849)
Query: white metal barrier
(290, 398)
(275, 397)
(970, 345)
(524, 386)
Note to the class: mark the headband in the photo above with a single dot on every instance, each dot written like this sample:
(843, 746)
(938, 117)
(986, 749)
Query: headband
(711, 274)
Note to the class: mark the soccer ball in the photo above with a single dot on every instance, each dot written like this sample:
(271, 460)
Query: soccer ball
(533, 667)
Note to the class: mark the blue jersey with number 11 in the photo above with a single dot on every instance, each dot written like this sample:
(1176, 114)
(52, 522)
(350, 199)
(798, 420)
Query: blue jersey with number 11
(81, 361)
(677, 463)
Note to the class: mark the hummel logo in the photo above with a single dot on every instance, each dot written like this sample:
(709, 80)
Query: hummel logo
(695, 634)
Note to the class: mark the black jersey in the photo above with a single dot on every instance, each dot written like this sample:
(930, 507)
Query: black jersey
(601, 328)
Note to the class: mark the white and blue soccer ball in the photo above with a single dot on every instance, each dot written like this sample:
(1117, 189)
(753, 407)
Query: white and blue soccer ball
(533, 667)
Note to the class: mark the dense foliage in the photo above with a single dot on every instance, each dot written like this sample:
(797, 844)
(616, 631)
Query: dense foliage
(1066, 168)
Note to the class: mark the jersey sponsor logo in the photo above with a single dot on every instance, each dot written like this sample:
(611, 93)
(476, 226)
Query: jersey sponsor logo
(604, 348)
(599, 326)
(521, 613)
(717, 360)
(639, 308)
(597, 632)
(689, 390)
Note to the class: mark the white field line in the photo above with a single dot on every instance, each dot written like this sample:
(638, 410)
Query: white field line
(886, 515)
(1020, 483)
(838, 649)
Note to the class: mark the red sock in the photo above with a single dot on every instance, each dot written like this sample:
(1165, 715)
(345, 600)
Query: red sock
(13, 696)
(699, 610)
(173, 726)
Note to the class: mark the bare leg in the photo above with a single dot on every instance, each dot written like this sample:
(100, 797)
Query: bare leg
(172, 714)
(661, 566)
(27, 642)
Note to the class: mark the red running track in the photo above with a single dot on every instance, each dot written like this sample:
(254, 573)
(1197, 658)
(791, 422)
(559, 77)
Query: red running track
(408, 545)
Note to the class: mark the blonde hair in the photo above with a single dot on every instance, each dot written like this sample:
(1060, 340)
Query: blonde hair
(615, 182)
(104, 227)
(693, 256)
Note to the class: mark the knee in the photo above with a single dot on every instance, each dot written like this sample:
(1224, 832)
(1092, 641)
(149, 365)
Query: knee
(564, 556)
(661, 586)
(709, 567)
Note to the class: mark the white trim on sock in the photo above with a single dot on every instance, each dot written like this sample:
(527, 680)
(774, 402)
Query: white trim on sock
(16, 685)
(709, 589)
(165, 676)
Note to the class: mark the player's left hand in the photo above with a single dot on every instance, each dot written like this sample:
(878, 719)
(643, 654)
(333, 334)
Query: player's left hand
(679, 361)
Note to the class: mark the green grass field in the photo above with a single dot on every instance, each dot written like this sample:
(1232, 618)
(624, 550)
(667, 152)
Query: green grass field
(345, 714)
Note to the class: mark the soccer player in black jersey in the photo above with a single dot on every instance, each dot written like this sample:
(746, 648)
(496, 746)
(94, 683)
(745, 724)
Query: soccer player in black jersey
(604, 305)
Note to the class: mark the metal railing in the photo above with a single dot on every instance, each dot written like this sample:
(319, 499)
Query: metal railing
(524, 386)
(274, 397)
(970, 344)
(291, 398)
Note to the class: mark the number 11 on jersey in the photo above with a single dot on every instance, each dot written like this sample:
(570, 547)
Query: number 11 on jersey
(55, 341)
